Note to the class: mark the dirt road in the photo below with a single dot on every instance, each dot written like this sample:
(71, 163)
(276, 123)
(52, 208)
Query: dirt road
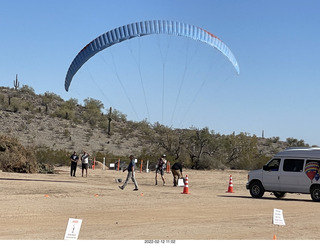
(38, 206)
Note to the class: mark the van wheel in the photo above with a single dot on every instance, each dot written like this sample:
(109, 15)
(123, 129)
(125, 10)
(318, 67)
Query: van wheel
(256, 189)
(315, 193)
(279, 194)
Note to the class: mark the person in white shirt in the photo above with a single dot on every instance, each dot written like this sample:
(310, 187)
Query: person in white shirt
(85, 162)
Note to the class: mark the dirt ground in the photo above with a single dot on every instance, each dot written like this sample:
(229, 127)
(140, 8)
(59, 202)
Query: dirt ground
(38, 206)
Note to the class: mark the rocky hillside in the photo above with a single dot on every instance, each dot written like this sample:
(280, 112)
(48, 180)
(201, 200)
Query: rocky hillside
(49, 121)
(31, 120)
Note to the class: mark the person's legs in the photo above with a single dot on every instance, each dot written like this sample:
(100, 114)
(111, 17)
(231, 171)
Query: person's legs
(134, 181)
(175, 174)
(156, 178)
(162, 177)
(126, 182)
(85, 167)
(74, 169)
(71, 169)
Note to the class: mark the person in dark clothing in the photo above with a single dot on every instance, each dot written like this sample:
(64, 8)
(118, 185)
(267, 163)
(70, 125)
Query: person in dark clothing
(131, 174)
(176, 170)
(74, 161)
(162, 162)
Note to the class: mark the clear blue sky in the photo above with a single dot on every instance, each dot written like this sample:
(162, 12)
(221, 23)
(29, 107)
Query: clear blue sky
(276, 44)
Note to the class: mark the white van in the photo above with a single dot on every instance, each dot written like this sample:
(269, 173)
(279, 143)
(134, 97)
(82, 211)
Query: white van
(294, 170)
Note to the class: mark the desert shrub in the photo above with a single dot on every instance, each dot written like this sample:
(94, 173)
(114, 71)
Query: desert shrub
(92, 113)
(16, 158)
(118, 116)
(27, 89)
(292, 142)
(66, 110)
(48, 158)
(2, 100)
(64, 113)
(18, 104)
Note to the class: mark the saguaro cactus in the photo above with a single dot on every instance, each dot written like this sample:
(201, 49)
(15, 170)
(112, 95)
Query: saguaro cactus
(16, 83)
(109, 119)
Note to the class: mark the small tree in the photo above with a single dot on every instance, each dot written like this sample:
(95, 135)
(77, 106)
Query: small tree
(93, 111)
(292, 142)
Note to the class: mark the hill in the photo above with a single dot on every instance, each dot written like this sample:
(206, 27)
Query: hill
(47, 121)
(34, 121)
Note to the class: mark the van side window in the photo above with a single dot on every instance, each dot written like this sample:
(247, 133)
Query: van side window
(293, 165)
(273, 165)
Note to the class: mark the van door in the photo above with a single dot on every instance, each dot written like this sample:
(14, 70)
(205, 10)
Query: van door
(270, 175)
(293, 178)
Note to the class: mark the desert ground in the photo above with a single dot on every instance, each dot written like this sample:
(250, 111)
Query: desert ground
(38, 206)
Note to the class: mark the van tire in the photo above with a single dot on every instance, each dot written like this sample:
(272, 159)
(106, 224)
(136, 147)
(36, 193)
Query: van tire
(315, 193)
(279, 194)
(256, 189)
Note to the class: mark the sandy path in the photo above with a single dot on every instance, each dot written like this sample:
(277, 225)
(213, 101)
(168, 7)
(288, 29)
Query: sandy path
(153, 212)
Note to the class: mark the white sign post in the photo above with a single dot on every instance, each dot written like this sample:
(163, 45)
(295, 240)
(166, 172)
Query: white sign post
(73, 229)
(147, 169)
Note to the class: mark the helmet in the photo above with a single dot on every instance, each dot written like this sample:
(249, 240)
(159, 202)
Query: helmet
(163, 156)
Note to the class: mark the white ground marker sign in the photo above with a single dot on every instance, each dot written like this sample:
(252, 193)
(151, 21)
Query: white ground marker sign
(278, 217)
(73, 229)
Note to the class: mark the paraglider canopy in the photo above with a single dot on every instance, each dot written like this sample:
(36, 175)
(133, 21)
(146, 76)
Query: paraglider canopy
(143, 28)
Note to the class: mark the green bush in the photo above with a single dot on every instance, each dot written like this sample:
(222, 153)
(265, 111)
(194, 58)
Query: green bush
(48, 158)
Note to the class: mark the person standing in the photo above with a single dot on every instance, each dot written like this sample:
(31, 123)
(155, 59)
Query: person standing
(74, 161)
(176, 170)
(160, 168)
(131, 174)
(85, 162)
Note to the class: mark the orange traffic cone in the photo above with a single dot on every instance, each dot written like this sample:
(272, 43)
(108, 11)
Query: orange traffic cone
(274, 237)
(230, 188)
(186, 186)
